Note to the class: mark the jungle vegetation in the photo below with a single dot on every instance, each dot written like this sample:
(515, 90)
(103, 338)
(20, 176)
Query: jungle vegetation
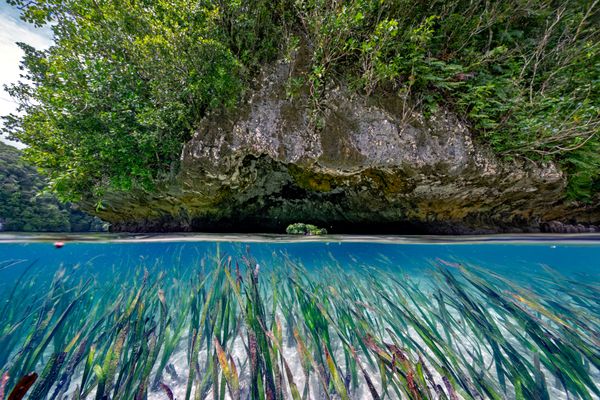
(24, 206)
(110, 104)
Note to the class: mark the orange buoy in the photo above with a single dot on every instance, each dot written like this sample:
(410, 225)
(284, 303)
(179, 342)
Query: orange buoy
(59, 245)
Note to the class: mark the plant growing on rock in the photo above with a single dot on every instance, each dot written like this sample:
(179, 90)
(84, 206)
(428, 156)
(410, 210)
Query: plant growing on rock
(304, 229)
(136, 79)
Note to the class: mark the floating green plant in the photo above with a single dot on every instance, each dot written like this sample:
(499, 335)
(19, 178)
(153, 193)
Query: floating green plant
(305, 229)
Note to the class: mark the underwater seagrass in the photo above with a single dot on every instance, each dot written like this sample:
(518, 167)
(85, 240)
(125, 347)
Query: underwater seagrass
(231, 327)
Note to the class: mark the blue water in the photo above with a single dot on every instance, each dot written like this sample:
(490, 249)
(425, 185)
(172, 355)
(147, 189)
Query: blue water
(573, 259)
(532, 287)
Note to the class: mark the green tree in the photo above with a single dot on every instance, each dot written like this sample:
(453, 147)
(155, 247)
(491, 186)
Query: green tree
(111, 102)
(126, 83)
(24, 206)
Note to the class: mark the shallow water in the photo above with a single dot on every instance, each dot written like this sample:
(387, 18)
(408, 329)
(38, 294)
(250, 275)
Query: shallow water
(387, 317)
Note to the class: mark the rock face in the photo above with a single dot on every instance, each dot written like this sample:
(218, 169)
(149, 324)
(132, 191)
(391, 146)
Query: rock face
(358, 165)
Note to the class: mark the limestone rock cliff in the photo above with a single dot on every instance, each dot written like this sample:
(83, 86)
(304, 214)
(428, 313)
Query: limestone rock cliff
(358, 165)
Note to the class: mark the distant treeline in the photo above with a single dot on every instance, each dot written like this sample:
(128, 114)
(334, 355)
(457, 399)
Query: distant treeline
(24, 208)
(109, 106)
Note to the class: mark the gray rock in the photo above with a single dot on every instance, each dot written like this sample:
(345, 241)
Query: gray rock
(363, 164)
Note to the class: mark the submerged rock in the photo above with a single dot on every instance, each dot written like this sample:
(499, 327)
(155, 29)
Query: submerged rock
(360, 165)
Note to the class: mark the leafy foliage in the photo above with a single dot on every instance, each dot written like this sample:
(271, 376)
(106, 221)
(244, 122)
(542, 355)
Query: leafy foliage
(525, 75)
(300, 228)
(112, 102)
(22, 208)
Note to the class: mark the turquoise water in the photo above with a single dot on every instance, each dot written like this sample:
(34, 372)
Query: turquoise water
(572, 258)
(138, 319)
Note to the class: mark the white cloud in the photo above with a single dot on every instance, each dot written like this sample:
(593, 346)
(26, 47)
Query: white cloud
(13, 30)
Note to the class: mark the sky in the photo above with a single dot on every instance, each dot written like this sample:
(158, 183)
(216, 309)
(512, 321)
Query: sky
(13, 30)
